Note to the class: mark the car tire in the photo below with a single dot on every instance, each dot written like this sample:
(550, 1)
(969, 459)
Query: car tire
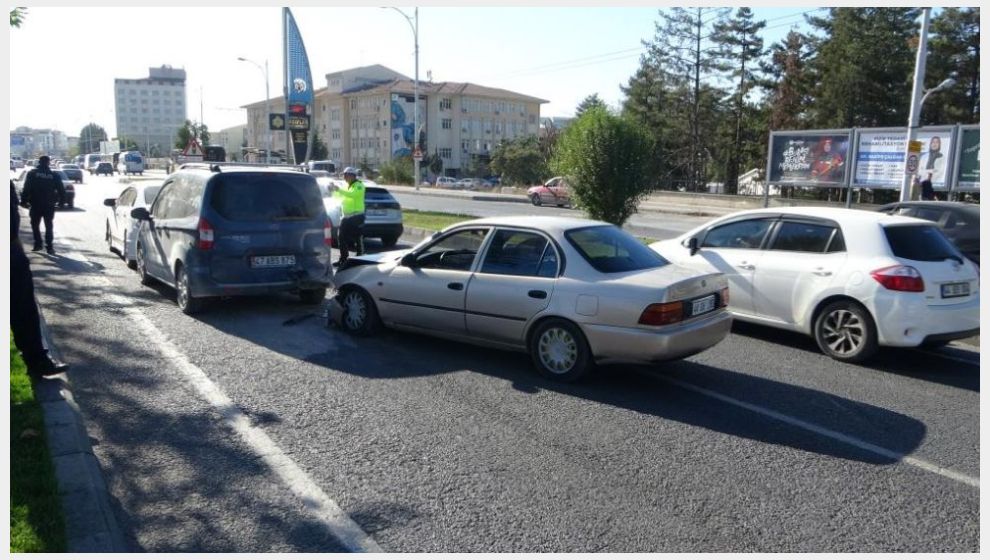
(560, 351)
(390, 241)
(844, 331)
(360, 316)
(142, 267)
(312, 297)
(109, 239)
(536, 200)
(183, 295)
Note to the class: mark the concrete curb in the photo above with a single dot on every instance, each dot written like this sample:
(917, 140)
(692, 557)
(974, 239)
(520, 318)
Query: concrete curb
(90, 524)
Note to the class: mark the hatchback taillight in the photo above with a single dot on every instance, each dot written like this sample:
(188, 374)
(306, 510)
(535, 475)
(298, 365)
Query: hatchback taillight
(900, 278)
(205, 235)
(658, 314)
(327, 232)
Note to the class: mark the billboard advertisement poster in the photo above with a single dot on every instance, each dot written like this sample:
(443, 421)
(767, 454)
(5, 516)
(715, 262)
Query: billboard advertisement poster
(808, 158)
(402, 133)
(880, 158)
(969, 159)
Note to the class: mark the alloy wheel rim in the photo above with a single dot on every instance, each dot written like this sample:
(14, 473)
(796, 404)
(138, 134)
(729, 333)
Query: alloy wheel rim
(183, 291)
(558, 350)
(355, 311)
(844, 332)
(140, 261)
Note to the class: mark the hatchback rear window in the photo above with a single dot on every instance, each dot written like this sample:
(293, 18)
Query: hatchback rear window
(256, 197)
(920, 243)
(609, 249)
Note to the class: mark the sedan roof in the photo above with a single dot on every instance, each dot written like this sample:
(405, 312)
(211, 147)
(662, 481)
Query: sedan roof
(549, 224)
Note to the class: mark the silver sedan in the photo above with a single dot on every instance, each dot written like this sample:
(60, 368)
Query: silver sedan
(572, 293)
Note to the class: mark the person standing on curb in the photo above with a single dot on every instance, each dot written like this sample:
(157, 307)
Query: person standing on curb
(24, 319)
(927, 192)
(352, 206)
(43, 190)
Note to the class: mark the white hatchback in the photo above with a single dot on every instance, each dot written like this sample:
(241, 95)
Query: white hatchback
(122, 229)
(852, 279)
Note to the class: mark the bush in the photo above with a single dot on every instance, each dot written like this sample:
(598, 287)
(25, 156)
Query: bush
(398, 171)
(607, 162)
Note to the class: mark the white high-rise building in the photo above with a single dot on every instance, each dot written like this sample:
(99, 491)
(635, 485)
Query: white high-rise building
(150, 110)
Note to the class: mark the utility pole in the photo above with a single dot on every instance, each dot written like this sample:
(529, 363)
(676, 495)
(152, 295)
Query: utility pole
(911, 148)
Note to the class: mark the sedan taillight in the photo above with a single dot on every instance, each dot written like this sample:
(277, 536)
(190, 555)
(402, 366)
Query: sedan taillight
(205, 235)
(658, 314)
(900, 278)
(327, 232)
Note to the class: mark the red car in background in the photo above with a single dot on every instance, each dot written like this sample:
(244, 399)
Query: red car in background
(555, 191)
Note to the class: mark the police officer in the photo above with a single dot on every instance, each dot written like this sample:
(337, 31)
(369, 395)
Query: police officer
(352, 206)
(43, 190)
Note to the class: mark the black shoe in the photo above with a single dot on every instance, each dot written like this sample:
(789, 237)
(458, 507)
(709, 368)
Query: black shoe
(50, 250)
(36, 248)
(46, 367)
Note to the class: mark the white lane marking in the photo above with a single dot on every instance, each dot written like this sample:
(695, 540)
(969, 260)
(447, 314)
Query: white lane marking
(315, 501)
(849, 440)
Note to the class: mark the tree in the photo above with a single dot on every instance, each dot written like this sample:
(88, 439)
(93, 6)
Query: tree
(519, 161)
(90, 137)
(398, 171)
(954, 51)
(788, 82)
(17, 16)
(606, 160)
(588, 102)
(478, 166)
(652, 101)
(741, 47)
(189, 131)
(320, 150)
(434, 163)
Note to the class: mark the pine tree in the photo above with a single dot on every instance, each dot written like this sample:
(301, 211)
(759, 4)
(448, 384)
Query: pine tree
(788, 81)
(587, 103)
(954, 51)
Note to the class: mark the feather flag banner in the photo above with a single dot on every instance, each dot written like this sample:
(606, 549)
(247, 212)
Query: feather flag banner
(299, 80)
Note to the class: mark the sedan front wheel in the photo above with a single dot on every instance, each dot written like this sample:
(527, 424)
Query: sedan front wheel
(360, 315)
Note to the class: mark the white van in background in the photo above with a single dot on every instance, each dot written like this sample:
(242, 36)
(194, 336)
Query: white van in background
(130, 162)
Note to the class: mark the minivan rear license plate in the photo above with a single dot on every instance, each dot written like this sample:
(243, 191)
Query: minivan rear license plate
(273, 261)
(956, 289)
(703, 305)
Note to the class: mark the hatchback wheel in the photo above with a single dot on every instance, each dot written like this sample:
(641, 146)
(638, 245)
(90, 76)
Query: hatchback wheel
(537, 201)
(560, 351)
(183, 296)
(360, 315)
(845, 332)
(142, 266)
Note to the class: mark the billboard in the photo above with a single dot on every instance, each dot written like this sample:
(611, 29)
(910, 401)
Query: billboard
(808, 158)
(968, 174)
(879, 161)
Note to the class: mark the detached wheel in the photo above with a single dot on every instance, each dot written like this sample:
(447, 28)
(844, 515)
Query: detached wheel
(536, 200)
(142, 266)
(845, 332)
(183, 296)
(560, 351)
(311, 297)
(360, 317)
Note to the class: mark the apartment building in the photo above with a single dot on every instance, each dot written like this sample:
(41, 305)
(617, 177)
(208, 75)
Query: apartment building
(366, 115)
(150, 110)
(29, 142)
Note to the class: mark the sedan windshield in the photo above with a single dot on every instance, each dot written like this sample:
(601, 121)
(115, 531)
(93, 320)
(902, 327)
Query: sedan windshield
(609, 249)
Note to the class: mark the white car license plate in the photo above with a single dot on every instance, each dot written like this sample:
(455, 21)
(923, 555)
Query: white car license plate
(377, 212)
(703, 305)
(957, 289)
(273, 261)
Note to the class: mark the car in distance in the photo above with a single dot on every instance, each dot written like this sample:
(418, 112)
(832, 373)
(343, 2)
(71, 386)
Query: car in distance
(382, 212)
(555, 191)
(571, 292)
(70, 190)
(960, 221)
(104, 168)
(122, 229)
(71, 171)
(446, 182)
(223, 230)
(852, 279)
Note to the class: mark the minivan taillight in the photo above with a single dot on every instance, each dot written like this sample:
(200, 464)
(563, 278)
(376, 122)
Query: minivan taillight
(658, 314)
(900, 278)
(205, 235)
(327, 232)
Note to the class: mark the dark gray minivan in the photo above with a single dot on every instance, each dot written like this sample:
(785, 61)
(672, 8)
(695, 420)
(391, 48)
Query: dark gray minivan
(223, 231)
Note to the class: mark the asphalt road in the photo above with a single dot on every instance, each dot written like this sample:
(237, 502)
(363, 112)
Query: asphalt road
(242, 429)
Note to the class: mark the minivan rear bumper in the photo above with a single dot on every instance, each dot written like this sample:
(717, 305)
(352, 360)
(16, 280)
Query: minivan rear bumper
(202, 285)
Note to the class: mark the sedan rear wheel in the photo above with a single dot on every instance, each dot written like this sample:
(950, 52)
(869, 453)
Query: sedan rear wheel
(560, 351)
(845, 332)
(360, 315)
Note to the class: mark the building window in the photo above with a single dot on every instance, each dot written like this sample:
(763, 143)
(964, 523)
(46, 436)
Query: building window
(445, 103)
(445, 153)
(464, 146)
(447, 124)
(335, 134)
(532, 119)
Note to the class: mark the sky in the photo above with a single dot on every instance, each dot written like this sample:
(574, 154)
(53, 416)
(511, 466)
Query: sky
(561, 54)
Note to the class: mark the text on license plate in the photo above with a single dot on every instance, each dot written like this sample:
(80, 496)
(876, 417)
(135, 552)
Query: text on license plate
(273, 260)
(377, 212)
(703, 305)
(956, 289)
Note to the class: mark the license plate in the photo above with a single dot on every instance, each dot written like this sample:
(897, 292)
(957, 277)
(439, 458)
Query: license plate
(957, 289)
(703, 305)
(273, 261)
(377, 212)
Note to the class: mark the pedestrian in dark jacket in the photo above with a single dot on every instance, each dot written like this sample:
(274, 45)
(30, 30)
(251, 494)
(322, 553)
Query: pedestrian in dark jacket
(24, 320)
(43, 190)
(927, 192)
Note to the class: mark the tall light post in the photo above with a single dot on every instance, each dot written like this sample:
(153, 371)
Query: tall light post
(268, 131)
(414, 25)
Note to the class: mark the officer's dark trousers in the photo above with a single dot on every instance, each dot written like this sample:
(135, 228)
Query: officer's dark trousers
(350, 235)
(23, 309)
(36, 217)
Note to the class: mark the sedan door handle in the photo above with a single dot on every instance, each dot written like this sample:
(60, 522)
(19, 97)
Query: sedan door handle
(745, 266)
(537, 294)
(455, 286)
(820, 272)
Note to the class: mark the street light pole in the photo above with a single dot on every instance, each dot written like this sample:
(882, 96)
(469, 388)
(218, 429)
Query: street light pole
(268, 131)
(911, 156)
(414, 24)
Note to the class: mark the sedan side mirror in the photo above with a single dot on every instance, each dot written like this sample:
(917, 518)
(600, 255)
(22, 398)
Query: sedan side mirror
(692, 245)
(140, 214)
(408, 260)
(111, 202)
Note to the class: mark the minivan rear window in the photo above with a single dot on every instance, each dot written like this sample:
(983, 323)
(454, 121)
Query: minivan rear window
(920, 243)
(255, 197)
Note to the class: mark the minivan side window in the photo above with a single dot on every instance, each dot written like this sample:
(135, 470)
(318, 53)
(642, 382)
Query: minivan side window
(160, 208)
(803, 237)
(745, 234)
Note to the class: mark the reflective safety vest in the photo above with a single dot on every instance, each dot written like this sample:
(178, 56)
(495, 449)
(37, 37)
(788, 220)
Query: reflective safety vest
(352, 197)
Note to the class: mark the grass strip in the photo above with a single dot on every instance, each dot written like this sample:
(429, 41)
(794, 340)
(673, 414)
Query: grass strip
(36, 521)
(433, 221)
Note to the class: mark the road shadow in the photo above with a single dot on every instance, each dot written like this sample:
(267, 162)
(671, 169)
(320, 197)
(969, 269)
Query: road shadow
(954, 367)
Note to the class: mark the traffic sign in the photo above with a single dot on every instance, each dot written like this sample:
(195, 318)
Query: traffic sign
(418, 154)
(914, 146)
